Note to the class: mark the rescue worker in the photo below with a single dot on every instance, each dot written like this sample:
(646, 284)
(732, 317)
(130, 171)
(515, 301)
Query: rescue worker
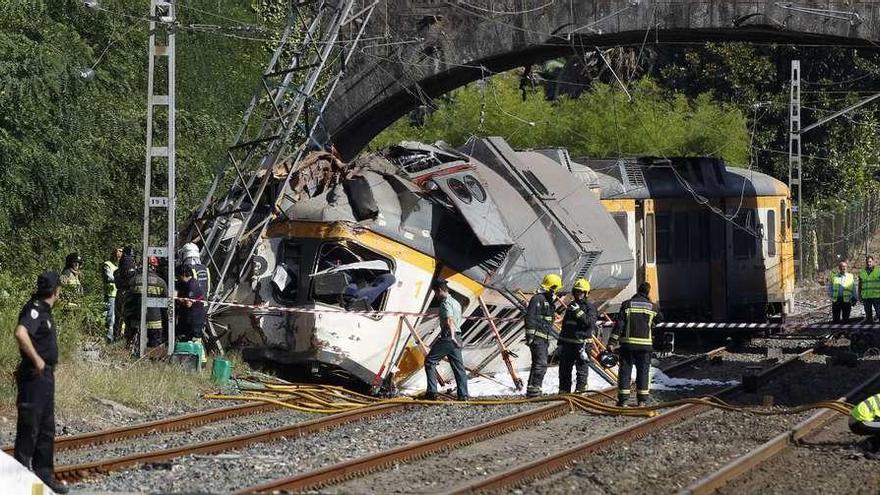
(73, 289)
(108, 274)
(864, 419)
(448, 344)
(576, 338)
(869, 289)
(122, 278)
(156, 287)
(843, 293)
(633, 332)
(37, 339)
(191, 316)
(540, 316)
(192, 256)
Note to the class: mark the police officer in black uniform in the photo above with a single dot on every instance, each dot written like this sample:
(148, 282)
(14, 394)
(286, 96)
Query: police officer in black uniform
(540, 316)
(37, 341)
(634, 331)
(576, 338)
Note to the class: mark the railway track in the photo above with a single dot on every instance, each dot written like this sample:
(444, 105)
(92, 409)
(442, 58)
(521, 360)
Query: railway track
(367, 464)
(175, 423)
(80, 471)
(75, 472)
(776, 446)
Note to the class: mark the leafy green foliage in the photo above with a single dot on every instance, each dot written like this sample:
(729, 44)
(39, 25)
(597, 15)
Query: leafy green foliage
(72, 151)
(598, 123)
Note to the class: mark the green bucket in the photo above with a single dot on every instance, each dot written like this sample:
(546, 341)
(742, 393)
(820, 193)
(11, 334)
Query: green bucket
(181, 352)
(222, 371)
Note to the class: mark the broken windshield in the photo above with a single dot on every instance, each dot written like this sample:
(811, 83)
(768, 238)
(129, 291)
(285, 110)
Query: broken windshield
(351, 277)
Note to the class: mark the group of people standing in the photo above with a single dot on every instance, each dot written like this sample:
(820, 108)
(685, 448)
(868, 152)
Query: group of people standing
(124, 290)
(845, 290)
(37, 336)
(631, 337)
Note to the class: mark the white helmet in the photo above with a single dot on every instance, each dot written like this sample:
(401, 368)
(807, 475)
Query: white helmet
(190, 250)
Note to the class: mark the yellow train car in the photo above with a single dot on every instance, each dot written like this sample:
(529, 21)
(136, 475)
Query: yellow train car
(715, 242)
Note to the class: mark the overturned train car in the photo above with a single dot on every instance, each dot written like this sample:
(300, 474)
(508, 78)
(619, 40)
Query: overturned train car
(371, 235)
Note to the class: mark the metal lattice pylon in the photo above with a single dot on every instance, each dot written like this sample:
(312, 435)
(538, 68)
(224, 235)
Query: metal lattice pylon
(795, 162)
(281, 123)
(160, 148)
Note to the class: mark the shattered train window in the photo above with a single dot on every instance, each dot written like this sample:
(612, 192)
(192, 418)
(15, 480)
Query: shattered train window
(351, 277)
(475, 187)
(285, 279)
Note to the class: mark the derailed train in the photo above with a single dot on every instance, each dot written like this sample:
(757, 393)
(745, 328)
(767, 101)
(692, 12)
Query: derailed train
(371, 235)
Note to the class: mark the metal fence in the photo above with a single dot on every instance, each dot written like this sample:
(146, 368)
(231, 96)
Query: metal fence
(844, 233)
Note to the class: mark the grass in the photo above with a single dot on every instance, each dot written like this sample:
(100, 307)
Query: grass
(148, 386)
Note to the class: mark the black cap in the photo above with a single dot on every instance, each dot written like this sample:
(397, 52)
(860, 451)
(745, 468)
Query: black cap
(439, 283)
(47, 282)
(73, 258)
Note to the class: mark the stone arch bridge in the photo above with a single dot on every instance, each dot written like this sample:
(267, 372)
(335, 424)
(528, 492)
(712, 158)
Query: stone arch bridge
(415, 50)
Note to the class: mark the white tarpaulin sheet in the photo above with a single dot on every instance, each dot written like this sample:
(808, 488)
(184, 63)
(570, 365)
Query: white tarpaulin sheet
(15, 478)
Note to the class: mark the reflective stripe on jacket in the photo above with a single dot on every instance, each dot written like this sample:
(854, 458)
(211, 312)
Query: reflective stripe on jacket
(869, 284)
(540, 315)
(868, 410)
(578, 323)
(109, 283)
(847, 282)
(635, 324)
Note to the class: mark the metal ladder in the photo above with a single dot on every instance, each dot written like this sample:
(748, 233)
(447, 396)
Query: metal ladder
(281, 123)
(161, 53)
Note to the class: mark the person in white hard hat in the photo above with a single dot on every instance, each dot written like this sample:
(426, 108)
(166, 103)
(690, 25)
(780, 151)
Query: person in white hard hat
(190, 255)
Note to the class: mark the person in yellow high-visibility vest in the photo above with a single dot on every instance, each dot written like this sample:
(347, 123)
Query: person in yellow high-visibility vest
(843, 292)
(864, 419)
(869, 289)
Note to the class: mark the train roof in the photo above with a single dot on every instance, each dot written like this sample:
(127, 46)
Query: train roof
(647, 177)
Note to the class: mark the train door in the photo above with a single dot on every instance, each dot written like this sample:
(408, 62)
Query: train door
(745, 264)
(718, 265)
(648, 257)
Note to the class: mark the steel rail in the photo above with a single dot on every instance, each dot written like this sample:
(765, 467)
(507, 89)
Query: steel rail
(694, 359)
(74, 472)
(380, 460)
(175, 423)
(561, 460)
(774, 447)
(374, 462)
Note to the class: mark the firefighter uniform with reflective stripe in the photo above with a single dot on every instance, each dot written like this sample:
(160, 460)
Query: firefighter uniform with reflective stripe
(864, 419)
(576, 337)
(156, 287)
(634, 331)
(869, 291)
(539, 329)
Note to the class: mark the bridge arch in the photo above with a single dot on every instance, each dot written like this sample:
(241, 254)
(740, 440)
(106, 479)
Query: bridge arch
(416, 50)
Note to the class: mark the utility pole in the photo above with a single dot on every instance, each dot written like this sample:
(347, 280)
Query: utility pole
(795, 162)
(160, 151)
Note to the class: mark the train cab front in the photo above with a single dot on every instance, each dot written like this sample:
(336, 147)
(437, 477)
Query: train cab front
(333, 286)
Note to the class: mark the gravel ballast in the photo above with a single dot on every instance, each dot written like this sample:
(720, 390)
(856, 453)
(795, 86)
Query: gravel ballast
(829, 462)
(222, 429)
(259, 463)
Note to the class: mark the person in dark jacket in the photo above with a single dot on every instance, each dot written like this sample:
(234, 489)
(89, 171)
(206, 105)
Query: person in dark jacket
(540, 316)
(157, 288)
(633, 331)
(576, 338)
(37, 338)
(192, 312)
(122, 278)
